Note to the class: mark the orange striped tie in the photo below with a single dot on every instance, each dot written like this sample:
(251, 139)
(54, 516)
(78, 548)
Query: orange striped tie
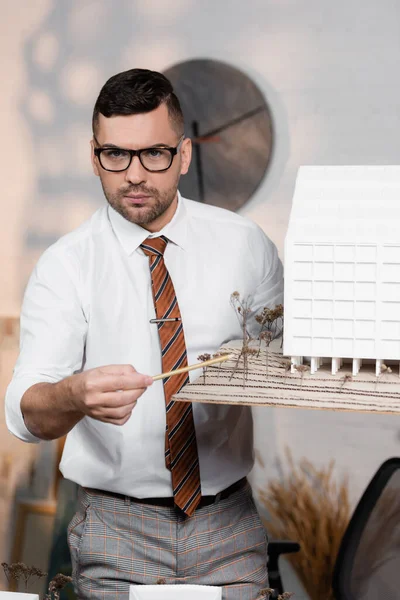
(181, 455)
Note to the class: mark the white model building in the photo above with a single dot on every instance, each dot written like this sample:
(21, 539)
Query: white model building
(342, 267)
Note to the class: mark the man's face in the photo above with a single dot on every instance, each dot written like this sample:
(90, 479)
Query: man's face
(146, 198)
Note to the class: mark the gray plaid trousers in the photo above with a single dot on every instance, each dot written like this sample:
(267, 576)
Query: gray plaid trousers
(115, 543)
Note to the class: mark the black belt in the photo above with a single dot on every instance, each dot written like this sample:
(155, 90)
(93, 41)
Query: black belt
(169, 501)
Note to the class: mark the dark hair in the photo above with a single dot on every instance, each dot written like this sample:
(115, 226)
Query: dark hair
(137, 91)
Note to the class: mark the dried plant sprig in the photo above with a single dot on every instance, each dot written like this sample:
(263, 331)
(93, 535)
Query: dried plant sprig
(217, 355)
(271, 320)
(268, 337)
(267, 592)
(270, 315)
(58, 583)
(203, 358)
(385, 370)
(242, 308)
(346, 379)
(32, 573)
(251, 351)
(20, 571)
(302, 369)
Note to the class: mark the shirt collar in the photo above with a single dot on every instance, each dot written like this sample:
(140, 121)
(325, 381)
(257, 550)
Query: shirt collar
(131, 235)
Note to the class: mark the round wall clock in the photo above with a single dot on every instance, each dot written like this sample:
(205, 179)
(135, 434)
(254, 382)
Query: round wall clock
(229, 122)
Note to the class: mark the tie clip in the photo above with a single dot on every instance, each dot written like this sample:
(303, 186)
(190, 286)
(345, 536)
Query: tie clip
(172, 320)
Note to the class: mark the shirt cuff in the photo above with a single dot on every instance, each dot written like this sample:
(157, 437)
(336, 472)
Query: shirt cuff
(14, 418)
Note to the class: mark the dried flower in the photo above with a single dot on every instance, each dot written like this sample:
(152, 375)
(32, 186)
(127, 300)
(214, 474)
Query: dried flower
(266, 593)
(385, 370)
(243, 311)
(346, 378)
(58, 582)
(250, 351)
(203, 358)
(271, 321)
(19, 570)
(269, 315)
(302, 368)
(267, 336)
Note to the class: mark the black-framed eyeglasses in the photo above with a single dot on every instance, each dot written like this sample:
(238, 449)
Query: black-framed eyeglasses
(155, 159)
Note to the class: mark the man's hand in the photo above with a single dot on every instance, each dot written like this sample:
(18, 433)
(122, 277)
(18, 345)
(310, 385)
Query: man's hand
(108, 394)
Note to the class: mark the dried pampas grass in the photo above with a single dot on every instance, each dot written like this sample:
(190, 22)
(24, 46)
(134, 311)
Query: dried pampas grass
(306, 505)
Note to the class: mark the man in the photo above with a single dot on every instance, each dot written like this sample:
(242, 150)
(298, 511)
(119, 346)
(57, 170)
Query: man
(141, 288)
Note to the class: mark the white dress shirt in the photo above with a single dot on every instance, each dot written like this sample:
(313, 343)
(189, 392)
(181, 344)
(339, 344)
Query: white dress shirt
(88, 303)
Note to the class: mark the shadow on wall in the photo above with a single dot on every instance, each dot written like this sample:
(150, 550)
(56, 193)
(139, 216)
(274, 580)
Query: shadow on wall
(67, 59)
(70, 56)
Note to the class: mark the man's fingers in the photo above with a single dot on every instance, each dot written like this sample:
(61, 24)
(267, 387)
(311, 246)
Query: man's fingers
(125, 382)
(118, 416)
(118, 369)
(124, 397)
(115, 399)
(111, 382)
(110, 393)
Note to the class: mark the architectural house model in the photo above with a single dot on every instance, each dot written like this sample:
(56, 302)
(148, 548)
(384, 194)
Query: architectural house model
(342, 267)
(341, 306)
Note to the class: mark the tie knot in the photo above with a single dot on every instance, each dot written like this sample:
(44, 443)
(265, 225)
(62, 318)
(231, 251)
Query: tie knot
(154, 245)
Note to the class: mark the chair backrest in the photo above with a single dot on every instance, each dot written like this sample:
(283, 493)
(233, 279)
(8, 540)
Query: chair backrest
(368, 562)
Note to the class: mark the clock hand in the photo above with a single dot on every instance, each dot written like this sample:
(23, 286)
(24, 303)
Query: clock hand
(202, 139)
(247, 115)
(210, 136)
(197, 157)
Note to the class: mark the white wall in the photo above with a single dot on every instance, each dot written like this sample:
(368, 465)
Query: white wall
(329, 71)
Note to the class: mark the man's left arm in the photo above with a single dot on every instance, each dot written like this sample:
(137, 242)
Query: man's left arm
(269, 287)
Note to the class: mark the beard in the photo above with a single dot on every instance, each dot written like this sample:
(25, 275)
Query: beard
(159, 202)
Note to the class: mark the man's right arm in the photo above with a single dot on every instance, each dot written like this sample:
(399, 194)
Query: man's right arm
(49, 393)
(108, 394)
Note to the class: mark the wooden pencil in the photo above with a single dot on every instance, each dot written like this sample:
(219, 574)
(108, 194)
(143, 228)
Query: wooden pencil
(206, 363)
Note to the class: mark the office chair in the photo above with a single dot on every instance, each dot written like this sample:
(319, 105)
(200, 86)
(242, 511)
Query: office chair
(368, 562)
(275, 549)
